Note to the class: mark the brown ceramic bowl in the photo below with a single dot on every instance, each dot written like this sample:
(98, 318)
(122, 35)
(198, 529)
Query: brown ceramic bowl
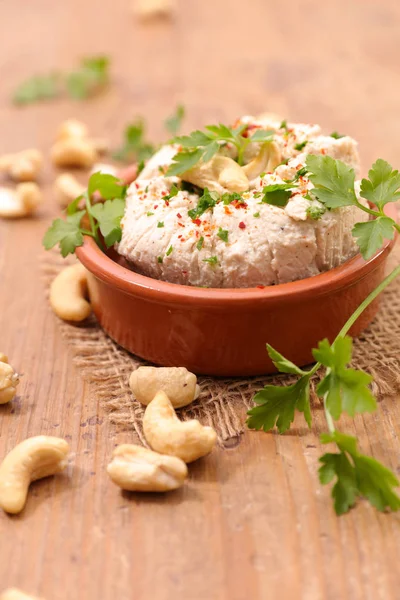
(224, 331)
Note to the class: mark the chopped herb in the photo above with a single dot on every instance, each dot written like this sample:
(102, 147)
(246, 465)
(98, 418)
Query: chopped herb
(160, 224)
(174, 191)
(300, 173)
(277, 194)
(223, 234)
(315, 212)
(337, 135)
(140, 167)
(169, 250)
(213, 260)
(200, 243)
(284, 162)
(206, 201)
(256, 215)
(149, 214)
(159, 259)
(228, 198)
(300, 146)
(283, 124)
(146, 189)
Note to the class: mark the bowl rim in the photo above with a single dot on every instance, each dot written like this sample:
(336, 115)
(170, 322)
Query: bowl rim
(132, 283)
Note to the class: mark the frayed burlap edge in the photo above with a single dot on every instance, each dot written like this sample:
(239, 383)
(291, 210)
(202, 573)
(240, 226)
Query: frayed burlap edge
(222, 402)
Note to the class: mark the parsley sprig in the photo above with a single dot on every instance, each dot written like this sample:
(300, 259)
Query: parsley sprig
(92, 74)
(341, 389)
(333, 183)
(103, 217)
(203, 145)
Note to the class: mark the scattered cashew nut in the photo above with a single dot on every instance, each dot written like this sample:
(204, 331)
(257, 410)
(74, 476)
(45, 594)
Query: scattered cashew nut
(220, 174)
(9, 380)
(74, 148)
(73, 152)
(67, 294)
(152, 8)
(32, 459)
(177, 382)
(67, 188)
(15, 594)
(268, 158)
(20, 202)
(165, 433)
(138, 469)
(22, 166)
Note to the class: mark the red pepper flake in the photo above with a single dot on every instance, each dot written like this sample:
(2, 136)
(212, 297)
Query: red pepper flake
(183, 239)
(167, 202)
(184, 272)
(155, 206)
(323, 151)
(227, 211)
(136, 185)
(239, 204)
(242, 225)
(163, 193)
(179, 237)
(260, 287)
(196, 221)
(179, 215)
(181, 225)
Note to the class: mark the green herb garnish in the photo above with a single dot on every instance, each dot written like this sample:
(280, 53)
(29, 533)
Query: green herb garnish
(337, 135)
(159, 259)
(135, 147)
(200, 243)
(169, 251)
(256, 215)
(315, 212)
(160, 224)
(301, 146)
(213, 260)
(206, 201)
(92, 75)
(223, 234)
(277, 194)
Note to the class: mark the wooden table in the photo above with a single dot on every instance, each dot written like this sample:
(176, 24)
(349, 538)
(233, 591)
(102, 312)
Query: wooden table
(253, 521)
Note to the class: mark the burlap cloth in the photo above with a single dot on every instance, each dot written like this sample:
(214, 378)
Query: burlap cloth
(222, 402)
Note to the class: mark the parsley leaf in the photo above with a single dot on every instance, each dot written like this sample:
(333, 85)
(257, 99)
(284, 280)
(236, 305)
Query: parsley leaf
(185, 160)
(276, 405)
(356, 475)
(134, 148)
(262, 135)
(108, 215)
(344, 389)
(283, 364)
(277, 194)
(256, 215)
(223, 234)
(382, 185)
(333, 181)
(38, 88)
(169, 251)
(92, 75)
(174, 122)
(370, 235)
(173, 192)
(160, 224)
(228, 198)
(206, 201)
(65, 233)
(108, 186)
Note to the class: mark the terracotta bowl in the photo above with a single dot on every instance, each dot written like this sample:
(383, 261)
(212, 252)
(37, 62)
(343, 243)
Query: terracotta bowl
(224, 331)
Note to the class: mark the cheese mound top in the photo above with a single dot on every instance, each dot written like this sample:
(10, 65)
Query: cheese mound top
(183, 234)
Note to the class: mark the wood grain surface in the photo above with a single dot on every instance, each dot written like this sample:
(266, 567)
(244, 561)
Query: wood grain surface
(253, 522)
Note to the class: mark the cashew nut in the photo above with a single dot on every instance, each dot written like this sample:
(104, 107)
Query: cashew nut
(152, 8)
(72, 128)
(268, 158)
(15, 594)
(188, 440)
(8, 382)
(138, 469)
(67, 188)
(67, 294)
(20, 202)
(32, 459)
(22, 166)
(3, 358)
(177, 382)
(73, 152)
(220, 174)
